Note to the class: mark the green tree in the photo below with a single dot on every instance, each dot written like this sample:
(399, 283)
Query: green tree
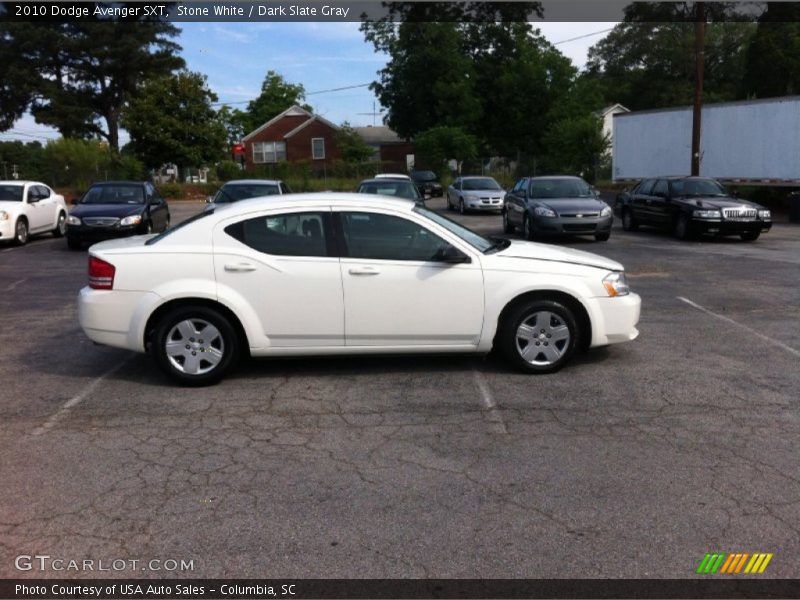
(17, 71)
(773, 58)
(428, 81)
(171, 120)
(439, 144)
(77, 162)
(233, 120)
(276, 96)
(352, 146)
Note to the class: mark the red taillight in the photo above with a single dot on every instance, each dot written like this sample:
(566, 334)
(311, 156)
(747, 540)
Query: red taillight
(101, 274)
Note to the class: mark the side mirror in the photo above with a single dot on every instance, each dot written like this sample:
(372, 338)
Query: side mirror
(209, 199)
(451, 255)
(523, 192)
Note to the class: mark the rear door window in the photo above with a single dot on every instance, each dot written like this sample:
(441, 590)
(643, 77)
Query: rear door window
(291, 234)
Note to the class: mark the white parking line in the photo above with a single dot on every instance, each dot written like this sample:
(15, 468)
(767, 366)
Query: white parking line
(13, 285)
(498, 426)
(77, 399)
(766, 338)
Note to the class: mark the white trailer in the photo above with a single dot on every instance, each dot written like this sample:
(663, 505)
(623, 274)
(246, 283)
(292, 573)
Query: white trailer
(754, 142)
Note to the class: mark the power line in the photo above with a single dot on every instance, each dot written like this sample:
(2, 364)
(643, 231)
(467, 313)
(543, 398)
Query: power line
(339, 89)
(580, 37)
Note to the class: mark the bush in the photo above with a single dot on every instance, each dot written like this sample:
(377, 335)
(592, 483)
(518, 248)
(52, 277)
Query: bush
(227, 170)
(172, 191)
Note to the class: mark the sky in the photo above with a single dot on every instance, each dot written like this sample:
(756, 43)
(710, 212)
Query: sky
(321, 56)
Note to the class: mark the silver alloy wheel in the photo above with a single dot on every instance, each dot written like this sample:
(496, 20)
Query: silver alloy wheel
(62, 224)
(194, 347)
(542, 338)
(461, 208)
(21, 232)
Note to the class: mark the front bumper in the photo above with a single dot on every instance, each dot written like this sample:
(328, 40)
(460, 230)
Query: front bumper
(571, 225)
(87, 233)
(484, 204)
(7, 229)
(722, 227)
(617, 320)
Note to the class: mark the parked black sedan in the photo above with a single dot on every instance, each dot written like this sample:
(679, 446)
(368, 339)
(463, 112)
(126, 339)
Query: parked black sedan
(689, 206)
(557, 205)
(114, 209)
(427, 183)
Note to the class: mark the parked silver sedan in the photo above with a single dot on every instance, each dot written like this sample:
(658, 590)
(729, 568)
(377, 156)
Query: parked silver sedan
(475, 193)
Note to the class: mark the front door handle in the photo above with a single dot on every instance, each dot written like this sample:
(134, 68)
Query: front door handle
(364, 271)
(242, 267)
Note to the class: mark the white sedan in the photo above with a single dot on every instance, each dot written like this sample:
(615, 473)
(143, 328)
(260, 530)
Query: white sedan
(325, 274)
(30, 207)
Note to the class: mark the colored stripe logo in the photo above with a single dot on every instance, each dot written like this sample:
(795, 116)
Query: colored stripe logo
(734, 563)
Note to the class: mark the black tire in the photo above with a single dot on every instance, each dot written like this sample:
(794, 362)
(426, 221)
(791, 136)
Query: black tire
(750, 236)
(149, 227)
(602, 237)
(629, 223)
(507, 226)
(527, 229)
(681, 229)
(166, 224)
(530, 313)
(21, 232)
(461, 208)
(61, 225)
(225, 341)
(447, 202)
(74, 243)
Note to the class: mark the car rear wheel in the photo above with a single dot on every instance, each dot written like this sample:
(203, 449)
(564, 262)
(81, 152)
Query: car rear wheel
(195, 345)
(628, 221)
(750, 236)
(61, 225)
(21, 232)
(539, 336)
(507, 226)
(527, 229)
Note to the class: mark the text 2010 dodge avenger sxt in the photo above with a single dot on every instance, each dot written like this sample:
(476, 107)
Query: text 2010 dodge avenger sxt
(324, 274)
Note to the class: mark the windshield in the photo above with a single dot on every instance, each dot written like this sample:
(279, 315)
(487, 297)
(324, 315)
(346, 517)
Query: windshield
(181, 225)
(423, 176)
(388, 187)
(560, 188)
(697, 187)
(232, 193)
(480, 183)
(473, 239)
(114, 194)
(11, 193)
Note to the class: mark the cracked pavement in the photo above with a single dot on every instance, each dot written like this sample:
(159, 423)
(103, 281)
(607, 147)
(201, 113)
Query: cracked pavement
(632, 462)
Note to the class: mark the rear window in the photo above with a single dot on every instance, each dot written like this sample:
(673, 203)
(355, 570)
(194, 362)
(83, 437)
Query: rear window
(233, 193)
(181, 225)
(294, 234)
(388, 187)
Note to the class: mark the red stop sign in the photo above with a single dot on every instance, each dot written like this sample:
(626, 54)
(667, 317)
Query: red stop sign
(238, 148)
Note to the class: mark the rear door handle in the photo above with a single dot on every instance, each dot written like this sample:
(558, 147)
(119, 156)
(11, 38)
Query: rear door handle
(241, 267)
(364, 271)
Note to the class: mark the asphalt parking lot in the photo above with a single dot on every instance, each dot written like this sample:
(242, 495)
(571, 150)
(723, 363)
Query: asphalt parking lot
(634, 461)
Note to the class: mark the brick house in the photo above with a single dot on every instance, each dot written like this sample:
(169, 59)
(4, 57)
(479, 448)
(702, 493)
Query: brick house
(293, 135)
(388, 147)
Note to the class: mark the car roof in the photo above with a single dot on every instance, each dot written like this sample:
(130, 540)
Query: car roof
(19, 182)
(122, 182)
(315, 199)
(385, 179)
(391, 176)
(252, 182)
(476, 177)
(554, 177)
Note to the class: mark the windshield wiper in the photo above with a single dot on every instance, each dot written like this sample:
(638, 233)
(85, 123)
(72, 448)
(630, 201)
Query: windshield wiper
(499, 244)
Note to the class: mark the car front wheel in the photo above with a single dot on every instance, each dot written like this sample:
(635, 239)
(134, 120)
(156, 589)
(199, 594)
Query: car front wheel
(539, 336)
(507, 226)
(61, 225)
(461, 208)
(527, 229)
(21, 232)
(195, 345)
(681, 230)
(628, 221)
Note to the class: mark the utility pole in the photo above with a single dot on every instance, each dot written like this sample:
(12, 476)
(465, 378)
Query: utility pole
(699, 58)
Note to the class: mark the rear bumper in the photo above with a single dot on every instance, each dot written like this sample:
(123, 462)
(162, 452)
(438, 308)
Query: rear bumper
(114, 318)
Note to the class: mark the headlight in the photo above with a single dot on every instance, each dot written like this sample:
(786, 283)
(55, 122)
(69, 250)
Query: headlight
(615, 284)
(4, 216)
(131, 220)
(73, 220)
(707, 214)
(606, 212)
(764, 214)
(543, 211)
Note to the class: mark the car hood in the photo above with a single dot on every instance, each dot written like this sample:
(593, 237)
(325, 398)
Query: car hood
(717, 202)
(107, 210)
(571, 205)
(10, 205)
(548, 252)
